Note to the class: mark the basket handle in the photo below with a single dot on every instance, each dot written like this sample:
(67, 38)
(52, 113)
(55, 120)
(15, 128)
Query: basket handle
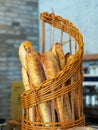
(68, 27)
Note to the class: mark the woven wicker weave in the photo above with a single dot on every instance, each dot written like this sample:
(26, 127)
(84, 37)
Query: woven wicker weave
(43, 93)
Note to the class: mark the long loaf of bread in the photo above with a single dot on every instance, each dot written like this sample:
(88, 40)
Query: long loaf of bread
(22, 55)
(68, 58)
(36, 74)
(77, 93)
(59, 54)
(51, 67)
(78, 96)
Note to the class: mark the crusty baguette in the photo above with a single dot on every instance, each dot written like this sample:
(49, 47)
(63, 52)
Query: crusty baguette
(78, 96)
(22, 52)
(50, 64)
(35, 69)
(59, 54)
(51, 67)
(77, 93)
(36, 74)
(22, 55)
(68, 58)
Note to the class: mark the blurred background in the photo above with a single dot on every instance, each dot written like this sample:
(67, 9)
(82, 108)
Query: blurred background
(20, 21)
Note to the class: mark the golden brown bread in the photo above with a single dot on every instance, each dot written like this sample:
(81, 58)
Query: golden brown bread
(25, 78)
(68, 59)
(35, 69)
(59, 54)
(78, 96)
(22, 53)
(50, 64)
(36, 75)
(33, 74)
(77, 93)
(51, 67)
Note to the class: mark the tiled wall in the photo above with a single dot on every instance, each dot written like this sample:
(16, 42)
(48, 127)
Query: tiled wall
(18, 22)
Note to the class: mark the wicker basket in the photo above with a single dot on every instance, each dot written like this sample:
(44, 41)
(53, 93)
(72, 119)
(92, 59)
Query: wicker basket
(43, 93)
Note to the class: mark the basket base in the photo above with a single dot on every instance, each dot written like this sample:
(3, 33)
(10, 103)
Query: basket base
(27, 125)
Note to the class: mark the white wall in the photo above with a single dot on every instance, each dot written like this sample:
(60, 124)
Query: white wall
(82, 13)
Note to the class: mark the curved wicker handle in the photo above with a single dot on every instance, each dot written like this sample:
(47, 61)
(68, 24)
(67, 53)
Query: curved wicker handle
(62, 24)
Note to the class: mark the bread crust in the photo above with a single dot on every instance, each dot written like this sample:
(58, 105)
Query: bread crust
(51, 68)
(25, 78)
(59, 54)
(68, 58)
(36, 74)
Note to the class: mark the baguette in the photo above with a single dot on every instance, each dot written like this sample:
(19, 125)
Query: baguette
(78, 95)
(59, 54)
(36, 74)
(22, 55)
(51, 67)
(77, 92)
(68, 58)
